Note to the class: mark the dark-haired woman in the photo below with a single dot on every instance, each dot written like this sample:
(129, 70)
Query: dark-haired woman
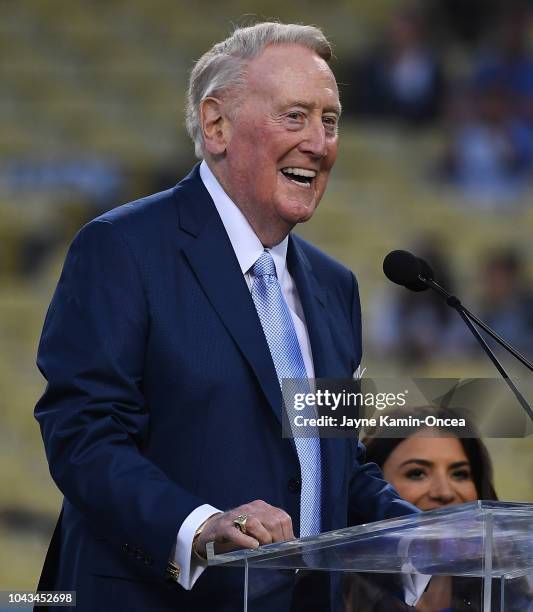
(431, 469)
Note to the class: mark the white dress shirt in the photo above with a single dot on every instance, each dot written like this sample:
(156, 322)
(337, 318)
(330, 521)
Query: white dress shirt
(248, 249)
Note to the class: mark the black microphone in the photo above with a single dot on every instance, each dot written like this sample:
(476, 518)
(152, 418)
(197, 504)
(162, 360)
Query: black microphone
(412, 272)
(404, 268)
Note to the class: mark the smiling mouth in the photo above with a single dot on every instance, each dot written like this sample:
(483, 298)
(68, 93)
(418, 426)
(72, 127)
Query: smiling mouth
(299, 176)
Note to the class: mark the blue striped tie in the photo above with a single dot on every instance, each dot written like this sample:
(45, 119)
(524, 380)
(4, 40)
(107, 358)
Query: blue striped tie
(283, 343)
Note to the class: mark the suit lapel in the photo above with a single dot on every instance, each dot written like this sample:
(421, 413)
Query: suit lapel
(314, 304)
(215, 265)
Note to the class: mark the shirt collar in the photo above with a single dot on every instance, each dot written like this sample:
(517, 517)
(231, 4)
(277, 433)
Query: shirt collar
(245, 243)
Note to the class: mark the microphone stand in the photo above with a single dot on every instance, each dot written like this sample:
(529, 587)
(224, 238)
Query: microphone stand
(469, 318)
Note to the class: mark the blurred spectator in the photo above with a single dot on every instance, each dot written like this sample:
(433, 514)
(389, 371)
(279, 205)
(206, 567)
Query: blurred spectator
(490, 120)
(417, 328)
(507, 299)
(490, 151)
(402, 79)
(465, 22)
(34, 250)
(510, 65)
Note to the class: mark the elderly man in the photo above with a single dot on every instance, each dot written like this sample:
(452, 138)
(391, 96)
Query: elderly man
(173, 323)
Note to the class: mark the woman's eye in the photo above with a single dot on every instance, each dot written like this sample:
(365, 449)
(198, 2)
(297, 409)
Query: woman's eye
(461, 475)
(415, 474)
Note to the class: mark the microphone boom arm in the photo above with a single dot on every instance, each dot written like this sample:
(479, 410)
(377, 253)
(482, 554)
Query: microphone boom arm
(470, 319)
(455, 302)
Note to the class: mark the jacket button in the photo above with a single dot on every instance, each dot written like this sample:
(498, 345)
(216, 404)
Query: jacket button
(295, 485)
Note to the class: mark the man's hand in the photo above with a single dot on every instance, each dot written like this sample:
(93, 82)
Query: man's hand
(265, 524)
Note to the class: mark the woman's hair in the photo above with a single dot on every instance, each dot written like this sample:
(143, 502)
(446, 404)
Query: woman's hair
(379, 448)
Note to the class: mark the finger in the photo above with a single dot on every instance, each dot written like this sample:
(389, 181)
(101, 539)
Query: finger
(286, 526)
(275, 520)
(274, 527)
(231, 538)
(257, 507)
(256, 529)
(279, 523)
(260, 522)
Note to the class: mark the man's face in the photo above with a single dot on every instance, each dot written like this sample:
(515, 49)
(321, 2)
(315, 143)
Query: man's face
(283, 141)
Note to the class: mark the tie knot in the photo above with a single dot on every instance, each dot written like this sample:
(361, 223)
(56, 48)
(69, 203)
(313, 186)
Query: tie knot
(264, 266)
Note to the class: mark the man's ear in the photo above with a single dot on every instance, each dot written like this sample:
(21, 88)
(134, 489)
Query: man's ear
(215, 126)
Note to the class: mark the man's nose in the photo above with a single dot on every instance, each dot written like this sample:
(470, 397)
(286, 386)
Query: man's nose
(315, 142)
(441, 490)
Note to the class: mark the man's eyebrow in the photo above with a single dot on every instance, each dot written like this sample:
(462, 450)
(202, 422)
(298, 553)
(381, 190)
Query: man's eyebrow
(337, 108)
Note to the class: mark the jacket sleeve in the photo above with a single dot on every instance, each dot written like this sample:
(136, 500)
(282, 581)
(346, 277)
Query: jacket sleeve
(371, 497)
(93, 415)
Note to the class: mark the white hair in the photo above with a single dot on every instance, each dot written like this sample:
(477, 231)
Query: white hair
(223, 67)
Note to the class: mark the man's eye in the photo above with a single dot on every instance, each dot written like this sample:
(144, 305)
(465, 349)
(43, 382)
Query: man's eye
(415, 474)
(296, 116)
(331, 125)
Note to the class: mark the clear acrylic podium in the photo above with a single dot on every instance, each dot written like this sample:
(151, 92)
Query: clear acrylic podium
(480, 555)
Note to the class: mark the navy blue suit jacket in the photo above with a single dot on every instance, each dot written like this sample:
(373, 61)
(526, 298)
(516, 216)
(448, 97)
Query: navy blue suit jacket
(162, 396)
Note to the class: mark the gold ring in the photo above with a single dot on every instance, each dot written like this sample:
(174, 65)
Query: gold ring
(240, 522)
